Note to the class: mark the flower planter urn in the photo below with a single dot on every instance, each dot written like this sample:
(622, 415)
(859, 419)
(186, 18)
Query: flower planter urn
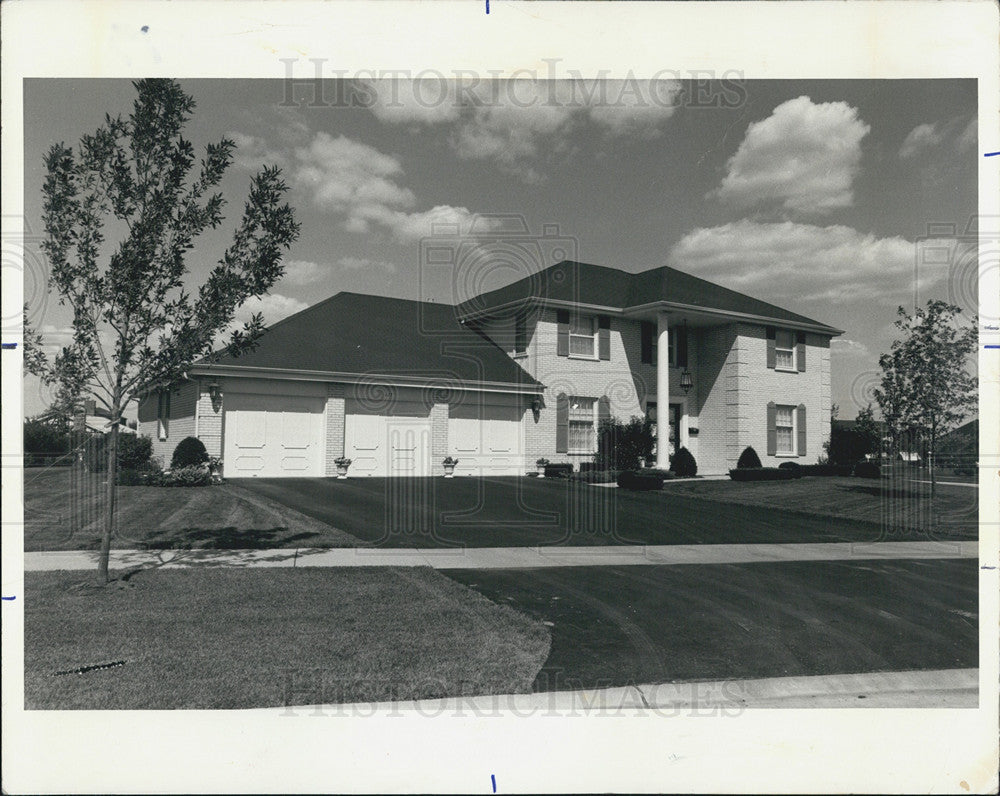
(449, 467)
(342, 465)
(540, 465)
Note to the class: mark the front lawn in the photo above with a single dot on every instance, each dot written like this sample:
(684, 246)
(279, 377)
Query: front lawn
(63, 510)
(892, 504)
(267, 638)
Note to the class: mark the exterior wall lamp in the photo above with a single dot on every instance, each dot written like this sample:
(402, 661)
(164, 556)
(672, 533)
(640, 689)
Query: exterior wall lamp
(215, 393)
(536, 407)
(686, 381)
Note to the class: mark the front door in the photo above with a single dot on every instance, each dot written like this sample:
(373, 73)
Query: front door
(675, 428)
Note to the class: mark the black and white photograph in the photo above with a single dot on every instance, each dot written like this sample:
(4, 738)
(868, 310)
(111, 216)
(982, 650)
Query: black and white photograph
(428, 421)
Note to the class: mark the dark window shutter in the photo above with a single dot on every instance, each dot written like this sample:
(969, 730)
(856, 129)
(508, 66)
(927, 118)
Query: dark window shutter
(682, 346)
(603, 409)
(800, 351)
(800, 428)
(562, 340)
(647, 331)
(772, 355)
(520, 335)
(772, 430)
(562, 423)
(603, 337)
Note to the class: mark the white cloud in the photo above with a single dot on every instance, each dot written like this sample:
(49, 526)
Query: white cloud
(305, 272)
(273, 306)
(511, 122)
(850, 348)
(794, 262)
(969, 135)
(921, 137)
(803, 158)
(365, 264)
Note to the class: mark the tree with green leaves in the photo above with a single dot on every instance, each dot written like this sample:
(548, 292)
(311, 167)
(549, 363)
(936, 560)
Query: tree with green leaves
(926, 385)
(136, 327)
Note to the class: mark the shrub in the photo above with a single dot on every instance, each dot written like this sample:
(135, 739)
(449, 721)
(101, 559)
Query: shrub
(794, 467)
(46, 438)
(95, 454)
(623, 446)
(558, 470)
(640, 480)
(826, 469)
(595, 476)
(762, 474)
(192, 475)
(134, 452)
(965, 469)
(151, 475)
(190, 451)
(867, 470)
(748, 459)
(683, 464)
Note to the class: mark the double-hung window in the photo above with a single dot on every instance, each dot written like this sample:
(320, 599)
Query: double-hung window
(784, 350)
(582, 438)
(784, 426)
(581, 336)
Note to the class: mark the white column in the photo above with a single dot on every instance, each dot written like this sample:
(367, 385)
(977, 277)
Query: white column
(662, 391)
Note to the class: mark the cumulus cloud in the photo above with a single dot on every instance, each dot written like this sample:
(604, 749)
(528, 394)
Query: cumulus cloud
(851, 348)
(365, 264)
(803, 158)
(795, 262)
(921, 137)
(925, 137)
(273, 306)
(512, 122)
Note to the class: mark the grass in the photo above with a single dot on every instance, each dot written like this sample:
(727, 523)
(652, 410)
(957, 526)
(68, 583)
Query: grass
(63, 510)
(893, 503)
(267, 638)
(614, 626)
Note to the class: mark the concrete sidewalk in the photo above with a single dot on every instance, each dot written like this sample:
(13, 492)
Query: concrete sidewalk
(505, 557)
(943, 688)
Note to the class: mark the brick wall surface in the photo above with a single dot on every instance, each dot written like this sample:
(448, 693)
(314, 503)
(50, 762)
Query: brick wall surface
(334, 426)
(439, 432)
(183, 401)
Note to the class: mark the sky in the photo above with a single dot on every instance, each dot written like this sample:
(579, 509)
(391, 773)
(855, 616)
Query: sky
(839, 200)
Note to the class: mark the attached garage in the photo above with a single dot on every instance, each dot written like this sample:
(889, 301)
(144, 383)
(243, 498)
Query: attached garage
(273, 435)
(388, 440)
(486, 434)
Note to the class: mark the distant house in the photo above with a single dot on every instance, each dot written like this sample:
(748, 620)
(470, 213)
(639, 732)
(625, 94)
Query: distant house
(509, 376)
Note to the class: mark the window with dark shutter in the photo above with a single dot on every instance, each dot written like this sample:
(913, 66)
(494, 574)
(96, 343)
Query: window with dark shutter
(800, 428)
(772, 429)
(562, 335)
(603, 337)
(800, 351)
(772, 353)
(647, 332)
(562, 423)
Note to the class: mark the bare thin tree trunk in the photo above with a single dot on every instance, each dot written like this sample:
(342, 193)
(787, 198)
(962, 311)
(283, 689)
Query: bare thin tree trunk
(109, 510)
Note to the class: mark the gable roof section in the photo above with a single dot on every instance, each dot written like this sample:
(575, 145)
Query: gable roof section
(378, 337)
(614, 289)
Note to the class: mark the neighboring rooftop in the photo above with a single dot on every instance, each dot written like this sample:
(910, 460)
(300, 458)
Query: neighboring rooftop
(598, 285)
(369, 335)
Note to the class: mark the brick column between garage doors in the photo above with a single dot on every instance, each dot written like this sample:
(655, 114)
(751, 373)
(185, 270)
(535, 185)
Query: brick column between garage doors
(439, 432)
(334, 426)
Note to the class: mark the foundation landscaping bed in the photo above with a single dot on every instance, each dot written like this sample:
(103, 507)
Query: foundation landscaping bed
(225, 638)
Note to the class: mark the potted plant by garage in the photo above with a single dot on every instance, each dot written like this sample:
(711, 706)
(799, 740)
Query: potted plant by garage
(449, 466)
(342, 464)
(215, 469)
(541, 464)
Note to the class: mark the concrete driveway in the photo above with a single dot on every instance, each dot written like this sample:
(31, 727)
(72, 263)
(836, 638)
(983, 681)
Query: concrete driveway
(527, 512)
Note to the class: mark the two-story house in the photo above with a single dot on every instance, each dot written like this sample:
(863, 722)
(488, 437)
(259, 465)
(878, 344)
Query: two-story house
(512, 375)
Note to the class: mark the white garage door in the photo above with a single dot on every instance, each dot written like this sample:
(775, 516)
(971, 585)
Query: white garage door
(487, 438)
(393, 444)
(273, 435)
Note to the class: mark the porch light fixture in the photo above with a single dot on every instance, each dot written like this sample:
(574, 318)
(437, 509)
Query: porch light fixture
(215, 394)
(686, 381)
(536, 407)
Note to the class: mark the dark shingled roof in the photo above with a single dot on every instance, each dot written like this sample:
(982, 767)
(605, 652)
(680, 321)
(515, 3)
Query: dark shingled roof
(610, 287)
(374, 335)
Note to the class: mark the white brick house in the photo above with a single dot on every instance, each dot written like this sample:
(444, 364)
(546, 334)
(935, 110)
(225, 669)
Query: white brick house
(523, 372)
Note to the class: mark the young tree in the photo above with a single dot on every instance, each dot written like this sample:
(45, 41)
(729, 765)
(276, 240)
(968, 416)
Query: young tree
(135, 325)
(925, 383)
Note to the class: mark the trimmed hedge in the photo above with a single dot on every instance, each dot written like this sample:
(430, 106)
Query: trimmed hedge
(793, 467)
(194, 475)
(595, 476)
(762, 474)
(683, 464)
(867, 470)
(827, 469)
(749, 460)
(189, 452)
(558, 470)
(640, 480)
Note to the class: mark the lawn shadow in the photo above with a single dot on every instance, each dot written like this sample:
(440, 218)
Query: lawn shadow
(229, 538)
